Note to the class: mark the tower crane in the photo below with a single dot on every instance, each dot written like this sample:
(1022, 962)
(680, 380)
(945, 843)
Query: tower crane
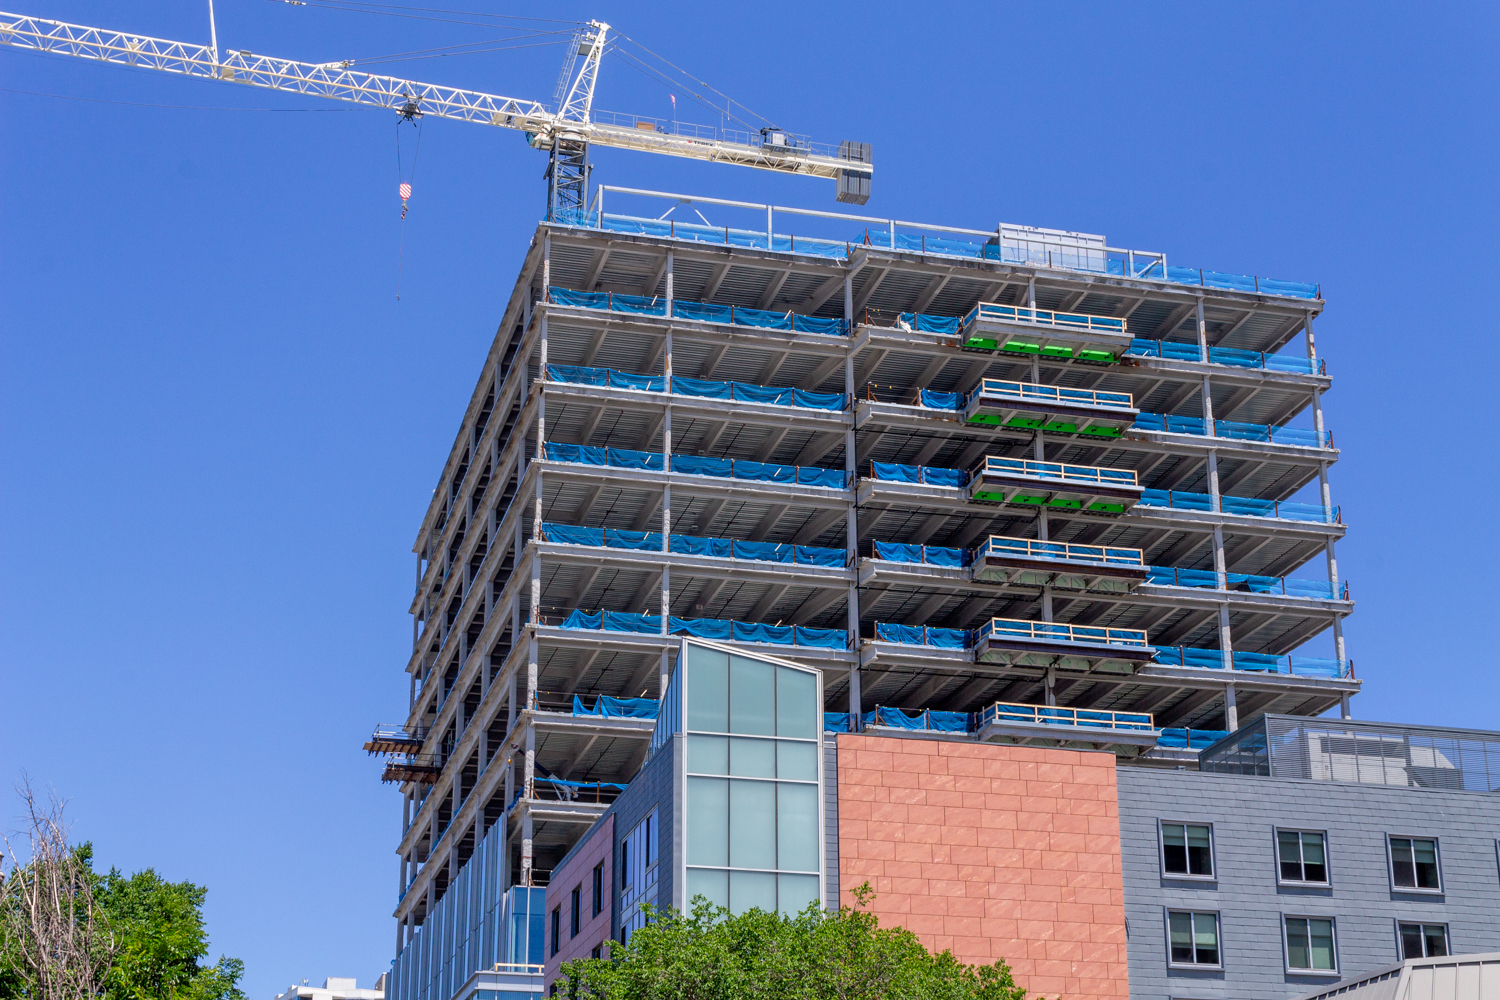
(565, 132)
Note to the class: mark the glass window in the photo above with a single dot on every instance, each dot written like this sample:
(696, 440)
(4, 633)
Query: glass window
(625, 864)
(707, 754)
(797, 838)
(1423, 940)
(1302, 856)
(1309, 944)
(709, 883)
(794, 892)
(575, 914)
(796, 761)
(752, 690)
(752, 890)
(708, 690)
(752, 826)
(598, 888)
(556, 929)
(707, 821)
(1194, 938)
(1187, 849)
(1414, 864)
(750, 758)
(796, 704)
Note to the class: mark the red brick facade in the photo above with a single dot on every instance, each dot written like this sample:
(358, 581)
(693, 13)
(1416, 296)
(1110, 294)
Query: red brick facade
(993, 852)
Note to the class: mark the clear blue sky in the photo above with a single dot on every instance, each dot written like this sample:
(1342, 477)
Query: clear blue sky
(219, 429)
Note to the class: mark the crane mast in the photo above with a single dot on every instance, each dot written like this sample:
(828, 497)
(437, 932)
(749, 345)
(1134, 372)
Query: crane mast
(565, 132)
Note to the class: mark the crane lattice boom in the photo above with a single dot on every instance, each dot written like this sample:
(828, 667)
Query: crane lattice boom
(570, 128)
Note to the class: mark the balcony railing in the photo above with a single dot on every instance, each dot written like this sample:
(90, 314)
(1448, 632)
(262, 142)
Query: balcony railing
(1030, 392)
(1035, 548)
(1057, 470)
(1045, 317)
(1011, 628)
(1052, 715)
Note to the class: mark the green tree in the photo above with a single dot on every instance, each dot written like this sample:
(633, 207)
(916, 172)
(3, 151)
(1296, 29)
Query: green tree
(140, 937)
(709, 954)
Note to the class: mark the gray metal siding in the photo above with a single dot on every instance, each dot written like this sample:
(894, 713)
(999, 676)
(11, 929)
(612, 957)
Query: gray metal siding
(650, 789)
(1244, 812)
(830, 823)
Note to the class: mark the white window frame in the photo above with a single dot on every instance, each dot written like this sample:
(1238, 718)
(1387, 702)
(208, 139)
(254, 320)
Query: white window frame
(1161, 851)
(1327, 857)
(1390, 862)
(1447, 933)
(1166, 921)
(1286, 944)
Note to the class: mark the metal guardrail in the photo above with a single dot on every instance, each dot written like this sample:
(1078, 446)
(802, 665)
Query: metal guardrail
(1031, 392)
(1012, 628)
(1037, 549)
(1008, 712)
(1058, 470)
(1045, 317)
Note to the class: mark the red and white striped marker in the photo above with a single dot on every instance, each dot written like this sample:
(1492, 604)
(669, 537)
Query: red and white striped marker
(405, 191)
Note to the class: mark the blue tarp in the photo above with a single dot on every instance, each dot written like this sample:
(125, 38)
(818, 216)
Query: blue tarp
(836, 722)
(895, 718)
(1230, 429)
(641, 304)
(927, 323)
(894, 473)
(1213, 659)
(698, 465)
(617, 708)
(933, 555)
(1195, 739)
(921, 635)
(942, 400)
(710, 628)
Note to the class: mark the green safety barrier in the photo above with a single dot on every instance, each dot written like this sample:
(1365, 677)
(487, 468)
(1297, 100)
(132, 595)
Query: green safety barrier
(1020, 347)
(981, 343)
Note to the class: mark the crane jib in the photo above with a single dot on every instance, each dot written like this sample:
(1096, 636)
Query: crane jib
(572, 126)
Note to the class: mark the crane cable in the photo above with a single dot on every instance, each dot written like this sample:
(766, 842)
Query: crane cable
(405, 181)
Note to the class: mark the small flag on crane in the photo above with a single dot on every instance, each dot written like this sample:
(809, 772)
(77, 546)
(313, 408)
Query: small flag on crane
(405, 194)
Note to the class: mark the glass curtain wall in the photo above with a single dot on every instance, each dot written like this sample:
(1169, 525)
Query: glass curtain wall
(754, 816)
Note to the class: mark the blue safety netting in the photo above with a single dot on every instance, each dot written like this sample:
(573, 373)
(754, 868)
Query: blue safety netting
(928, 475)
(1230, 429)
(744, 391)
(565, 783)
(1180, 350)
(928, 323)
(1286, 586)
(723, 548)
(710, 628)
(1241, 505)
(701, 311)
(697, 465)
(606, 707)
(1190, 739)
(922, 635)
(644, 305)
(836, 722)
(928, 721)
(934, 555)
(1213, 659)
(942, 400)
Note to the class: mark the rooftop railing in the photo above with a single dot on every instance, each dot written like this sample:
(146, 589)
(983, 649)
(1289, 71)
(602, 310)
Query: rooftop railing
(1011, 628)
(1005, 244)
(1055, 715)
(1030, 392)
(1058, 470)
(1035, 548)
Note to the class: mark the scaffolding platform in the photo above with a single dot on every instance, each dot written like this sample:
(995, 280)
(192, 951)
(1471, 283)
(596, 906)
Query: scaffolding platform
(993, 326)
(1033, 562)
(1068, 647)
(1051, 409)
(1054, 484)
(1128, 734)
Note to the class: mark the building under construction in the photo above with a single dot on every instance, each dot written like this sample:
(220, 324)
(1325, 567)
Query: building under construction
(1017, 488)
